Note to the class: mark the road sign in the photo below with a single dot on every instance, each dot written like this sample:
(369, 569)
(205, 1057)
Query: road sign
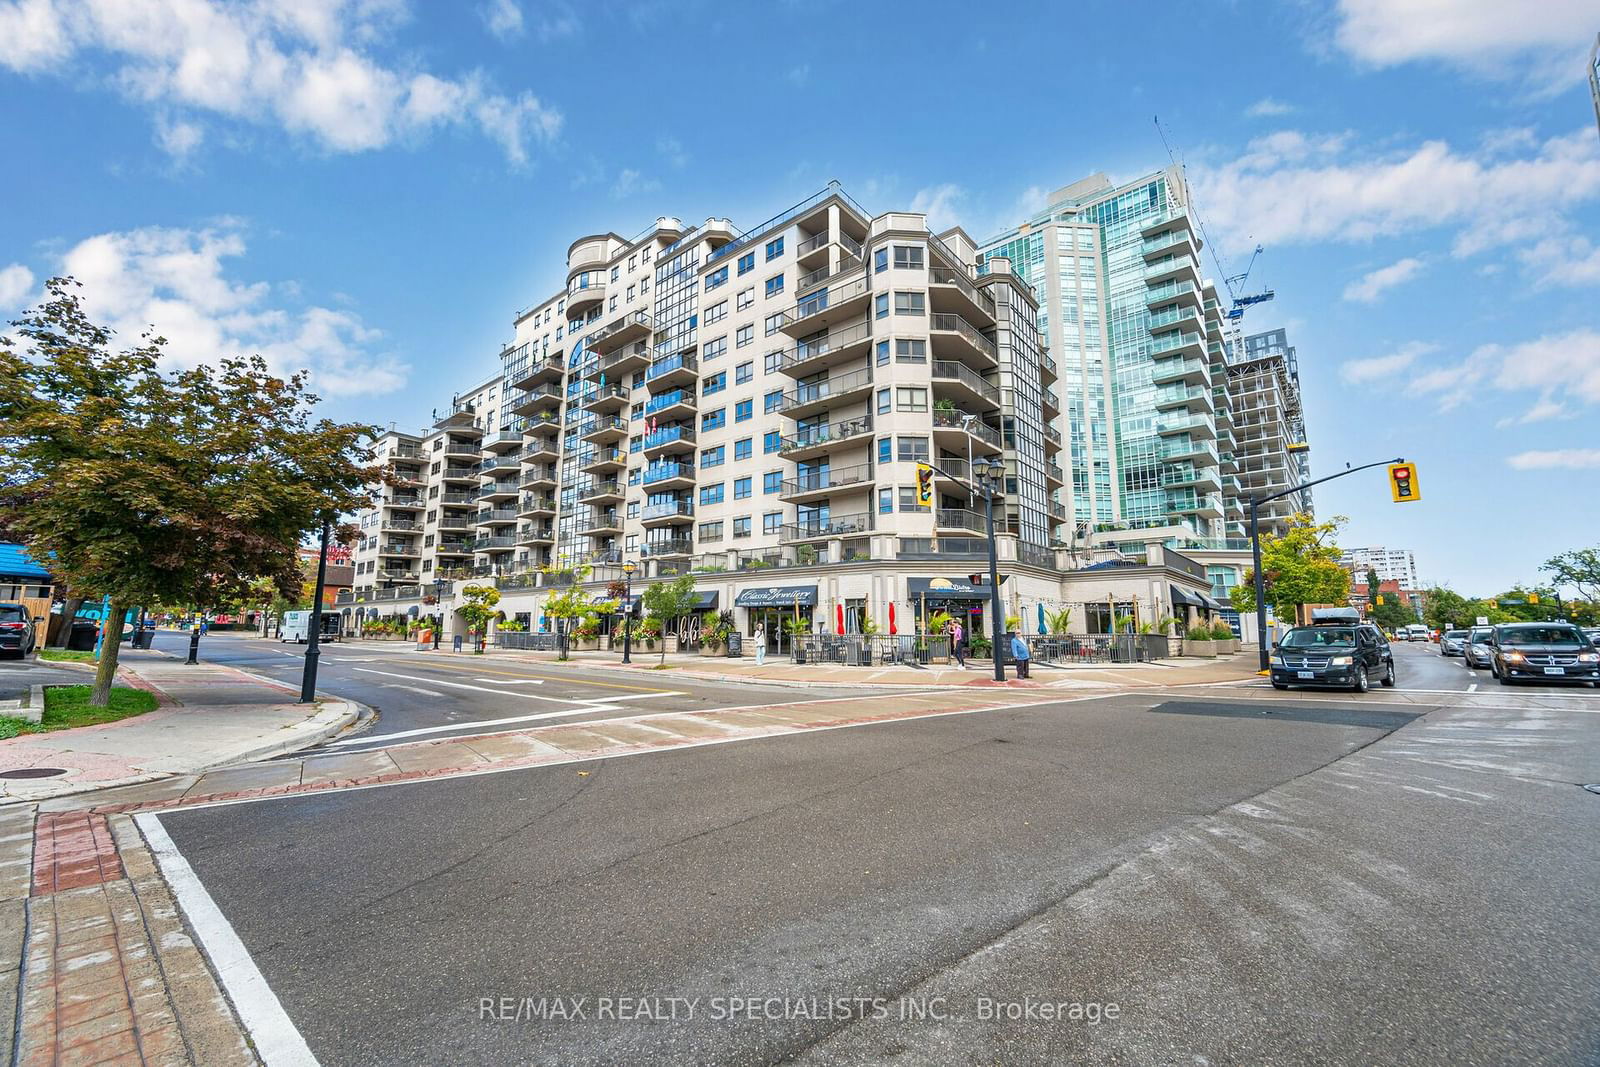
(1403, 484)
(1483, 620)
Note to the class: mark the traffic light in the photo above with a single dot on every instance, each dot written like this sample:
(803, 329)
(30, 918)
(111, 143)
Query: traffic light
(977, 579)
(1380, 600)
(1403, 485)
(1533, 598)
(924, 484)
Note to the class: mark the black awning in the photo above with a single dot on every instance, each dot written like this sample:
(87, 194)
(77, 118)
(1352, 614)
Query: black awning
(704, 600)
(1182, 597)
(1211, 604)
(949, 588)
(803, 596)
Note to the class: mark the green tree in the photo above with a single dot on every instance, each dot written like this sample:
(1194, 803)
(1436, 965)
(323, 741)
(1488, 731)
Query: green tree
(1392, 614)
(570, 604)
(1300, 567)
(1579, 568)
(478, 608)
(151, 487)
(668, 601)
(1444, 608)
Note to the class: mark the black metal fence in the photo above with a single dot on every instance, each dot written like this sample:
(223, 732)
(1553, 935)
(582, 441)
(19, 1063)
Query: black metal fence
(858, 650)
(526, 642)
(1094, 648)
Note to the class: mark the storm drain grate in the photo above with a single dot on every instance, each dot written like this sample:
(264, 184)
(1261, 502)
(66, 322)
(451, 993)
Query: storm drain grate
(33, 772)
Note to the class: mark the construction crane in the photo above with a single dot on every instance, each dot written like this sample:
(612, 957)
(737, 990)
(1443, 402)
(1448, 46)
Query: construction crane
(1236, 282)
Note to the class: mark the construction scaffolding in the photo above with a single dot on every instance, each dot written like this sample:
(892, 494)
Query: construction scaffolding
(1268, 418)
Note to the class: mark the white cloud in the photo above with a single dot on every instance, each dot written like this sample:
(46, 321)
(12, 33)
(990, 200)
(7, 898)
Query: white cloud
(938, 202)
(799, 74)
(1564, 368)
(1543, 410)
(557, 21)
(310, 67)
(15, 283)
(1371, 285)
(1267, 107)
(503, 19)
(176, 280)
(1485, 36)
(1377, 368)
(632, 183)
(1568, 260)
(178, 139)
(672, 151)
(1556, 459)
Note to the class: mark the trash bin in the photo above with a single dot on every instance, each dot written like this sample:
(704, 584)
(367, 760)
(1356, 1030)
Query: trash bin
(83, 637)
(144, 638)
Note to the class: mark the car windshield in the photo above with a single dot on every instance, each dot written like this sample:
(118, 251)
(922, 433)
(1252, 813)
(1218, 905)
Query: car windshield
(1455, 633)
(1320, 637)
(1541, 635)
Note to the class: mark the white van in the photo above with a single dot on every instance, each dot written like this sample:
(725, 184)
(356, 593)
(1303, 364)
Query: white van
(296, 627)
(1416, 632)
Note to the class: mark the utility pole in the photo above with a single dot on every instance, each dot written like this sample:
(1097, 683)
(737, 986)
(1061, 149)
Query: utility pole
(308, 680)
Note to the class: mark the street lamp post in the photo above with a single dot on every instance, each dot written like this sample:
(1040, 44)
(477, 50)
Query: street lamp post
(1255, 548)
(438, 602)
(627, 611)
(981, 471)
(308, 679)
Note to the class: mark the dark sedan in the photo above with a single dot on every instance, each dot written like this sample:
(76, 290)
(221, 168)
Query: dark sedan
(16, 629)
(1547, 651)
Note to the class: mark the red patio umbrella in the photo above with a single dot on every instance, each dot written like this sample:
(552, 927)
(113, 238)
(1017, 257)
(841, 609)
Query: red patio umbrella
(893, 629)
(839, 614)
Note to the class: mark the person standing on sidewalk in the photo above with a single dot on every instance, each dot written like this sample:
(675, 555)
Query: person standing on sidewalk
(956, 646)
(761, 644)
(1019, 652)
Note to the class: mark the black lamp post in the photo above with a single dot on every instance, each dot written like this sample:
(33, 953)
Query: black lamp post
(627, 612)
(438, 602)
(308, 680)
(989, 479)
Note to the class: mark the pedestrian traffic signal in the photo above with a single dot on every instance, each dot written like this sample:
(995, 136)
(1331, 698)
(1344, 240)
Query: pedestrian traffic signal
(924, 484)
(977, 579)
(1403, 482)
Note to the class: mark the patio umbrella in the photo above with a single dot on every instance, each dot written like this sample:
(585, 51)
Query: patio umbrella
(839, 610)
(893, 629)
(1041, 618)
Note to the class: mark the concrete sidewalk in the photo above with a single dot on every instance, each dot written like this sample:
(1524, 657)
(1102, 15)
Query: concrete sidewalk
(210, 715)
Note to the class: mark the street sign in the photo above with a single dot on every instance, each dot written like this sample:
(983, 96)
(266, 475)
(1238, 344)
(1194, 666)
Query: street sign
(1483, 620)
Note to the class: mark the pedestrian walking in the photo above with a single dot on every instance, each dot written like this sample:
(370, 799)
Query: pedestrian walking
(761, 644)
(1019, 652)
(957, 646)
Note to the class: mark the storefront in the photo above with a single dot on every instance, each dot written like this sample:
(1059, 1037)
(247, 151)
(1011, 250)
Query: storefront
(957, 597)
(780, 609)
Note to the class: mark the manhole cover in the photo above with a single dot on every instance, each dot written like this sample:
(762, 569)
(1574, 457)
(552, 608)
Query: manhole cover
(1593, 788)
(33, 772)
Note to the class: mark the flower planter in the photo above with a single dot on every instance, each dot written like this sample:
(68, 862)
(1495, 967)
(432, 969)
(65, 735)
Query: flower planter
(1204, 649)
(709, 650)
(586, 644)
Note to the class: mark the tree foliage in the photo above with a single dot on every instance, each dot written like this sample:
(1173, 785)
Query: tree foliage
(150, 486)
(1579, 568)
(1300, 567)
(477, 607)
(670, 600)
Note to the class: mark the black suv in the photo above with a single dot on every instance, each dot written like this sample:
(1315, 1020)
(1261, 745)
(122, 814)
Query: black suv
(1548, 651)
(1338, 655)
(16, 629)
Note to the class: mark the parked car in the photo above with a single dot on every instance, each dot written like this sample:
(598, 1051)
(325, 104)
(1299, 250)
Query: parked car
(1450, 642)
(1476, 650)
(1335, 655)
(1547, 651)
(16, 629)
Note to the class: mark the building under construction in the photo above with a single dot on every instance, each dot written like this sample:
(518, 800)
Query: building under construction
(1269, 429)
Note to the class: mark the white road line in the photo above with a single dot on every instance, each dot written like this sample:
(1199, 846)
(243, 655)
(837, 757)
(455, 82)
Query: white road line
(511, 681)
(640, 696)
(273, 1033)
(1473, 688)
(412, 689)
(464, 685)
(476, 725)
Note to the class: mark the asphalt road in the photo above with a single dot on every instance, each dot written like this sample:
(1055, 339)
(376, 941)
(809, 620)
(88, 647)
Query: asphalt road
(419, 695)
(1248, 876)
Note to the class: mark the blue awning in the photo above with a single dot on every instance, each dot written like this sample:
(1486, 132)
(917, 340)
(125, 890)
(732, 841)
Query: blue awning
(16, 563)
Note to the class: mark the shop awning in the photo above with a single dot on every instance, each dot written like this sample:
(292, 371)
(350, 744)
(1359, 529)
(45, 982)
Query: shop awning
(788, 596)
(705, 601)
(1212, 604)
(948, 588)
(1184, 598)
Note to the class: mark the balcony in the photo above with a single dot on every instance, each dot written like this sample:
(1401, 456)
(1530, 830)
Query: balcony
(607, 461)
(815, 484)
(494, 544)
(827, 272)
(1052, 439)
(953, 337)
(399, 548)
(536, 505)
(541, 449)
(1171, 242)
(1186, 476)
(965, 386)
(1200, 453)
(814, 248)
(818, 440)
(496, 516)
(607, 430)
(669, 441)
(668, 475)
(454, 548)
(455, 521)
(403, 500)
(819, 352)
(1208, 506)
(1198, 425)
(826, 307)
(1050, 402)
(498, 465)
(673, 404)
(608, 399)
(953, 292)
(411, 478)
(491, 492)
(459, 419)
(812, 397)
(1172, 269)
(634, 326)
(503, 440)
(535, 535)
(404, 525)
(1176, 317)
(672, 512)
(1190, 371)
(832, 526)
(1178, 344)
(1186, 293)
(1053, 476)
(959, 430)
(406, 452)
(540, 371)
(676, 546)
(602, 523)
(539, 478)
(585, 293)
(1058, 511)
(1190, 397)
(959, 519)
(681, 369)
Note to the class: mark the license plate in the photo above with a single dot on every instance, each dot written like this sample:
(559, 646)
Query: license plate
(1555, 670)
(1305, 674)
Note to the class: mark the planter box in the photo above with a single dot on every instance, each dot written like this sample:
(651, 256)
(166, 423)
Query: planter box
(1206, 649)
(707, 650)
(586, 644)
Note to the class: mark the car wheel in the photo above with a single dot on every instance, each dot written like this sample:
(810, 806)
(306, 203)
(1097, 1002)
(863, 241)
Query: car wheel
(1361, 684)
(1388, 675)
(1505, 679)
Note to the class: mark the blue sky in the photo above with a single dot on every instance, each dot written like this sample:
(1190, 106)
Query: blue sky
(371, 188)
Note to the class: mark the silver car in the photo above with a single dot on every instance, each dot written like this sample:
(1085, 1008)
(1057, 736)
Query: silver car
(1450, 642)
(1473, 648)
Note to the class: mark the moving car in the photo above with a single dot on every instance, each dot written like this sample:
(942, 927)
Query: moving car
(1547, 651)
(16, 629)
(1340, 654)
(1415, 632)
(1475, 649)
(1450, 642)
